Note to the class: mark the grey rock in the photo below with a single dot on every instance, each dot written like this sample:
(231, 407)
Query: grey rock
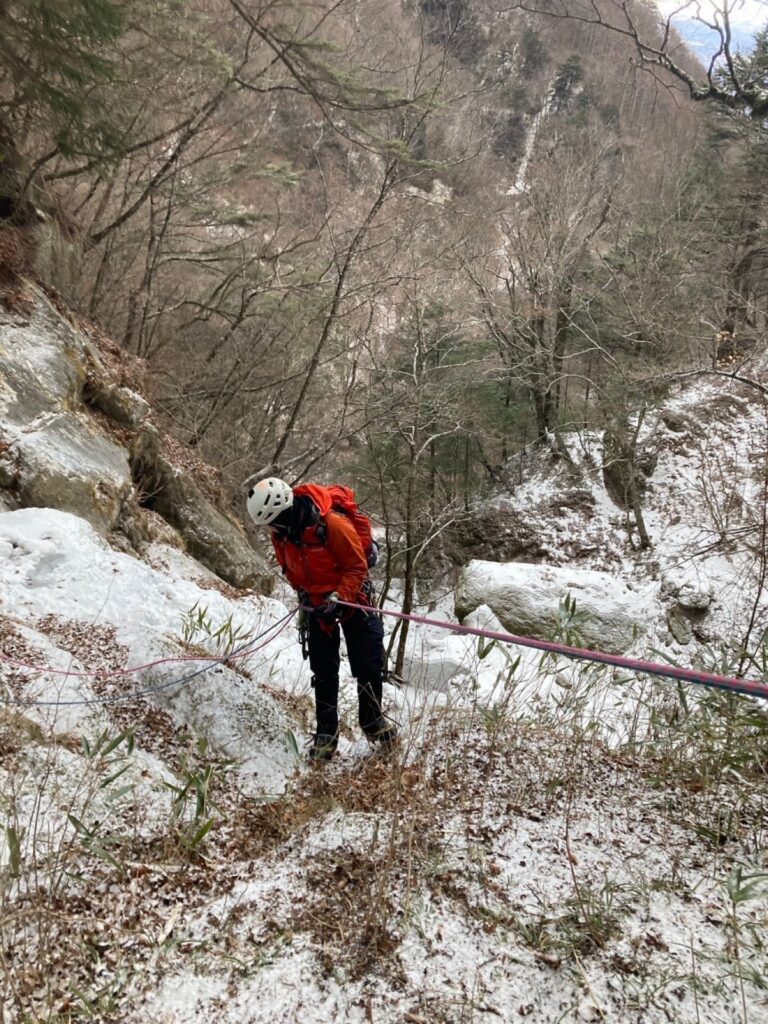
(65, 463)
(210, 537)
(7, 472)
(526, 599)
(696, 597)
(119, 403)
(690, 586)
(43, 367)
(679, 626)
(142, 527)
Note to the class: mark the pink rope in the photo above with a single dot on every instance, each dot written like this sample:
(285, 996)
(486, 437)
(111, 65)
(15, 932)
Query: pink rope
(746, 686)
(96, 674)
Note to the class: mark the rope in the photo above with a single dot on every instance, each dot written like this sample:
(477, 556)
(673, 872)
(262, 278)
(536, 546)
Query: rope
(747, 687)
(239, 652)
(98, 674)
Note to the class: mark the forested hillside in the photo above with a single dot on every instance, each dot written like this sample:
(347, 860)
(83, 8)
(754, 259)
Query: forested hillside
(394, 241)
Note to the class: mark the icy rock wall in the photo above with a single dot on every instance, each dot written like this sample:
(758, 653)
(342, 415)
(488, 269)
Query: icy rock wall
(74, 438)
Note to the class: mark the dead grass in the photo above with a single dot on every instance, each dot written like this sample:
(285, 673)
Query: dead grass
(346, 915)
(96, 647)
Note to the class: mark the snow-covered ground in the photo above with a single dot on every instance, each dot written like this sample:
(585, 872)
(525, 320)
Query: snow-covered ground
(548, 842)
(497, 868)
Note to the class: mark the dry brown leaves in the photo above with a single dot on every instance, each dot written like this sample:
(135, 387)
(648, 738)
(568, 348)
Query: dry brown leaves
(208, 478)
(96, 647)
(13, 645)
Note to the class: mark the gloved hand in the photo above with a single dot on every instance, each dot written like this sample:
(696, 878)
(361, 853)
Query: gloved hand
(329, 611)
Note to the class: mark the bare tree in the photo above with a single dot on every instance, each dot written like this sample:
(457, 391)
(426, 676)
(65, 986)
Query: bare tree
(542, 238)
(417, 412)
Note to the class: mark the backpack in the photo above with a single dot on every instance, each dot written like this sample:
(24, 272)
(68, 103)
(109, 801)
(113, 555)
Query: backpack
(337, 498)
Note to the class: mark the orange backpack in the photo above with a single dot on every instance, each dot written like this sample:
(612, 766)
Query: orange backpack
(338, 498)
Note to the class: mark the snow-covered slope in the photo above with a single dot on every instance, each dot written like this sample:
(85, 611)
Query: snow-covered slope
(80, 607)
(548, 842)
(699, 584)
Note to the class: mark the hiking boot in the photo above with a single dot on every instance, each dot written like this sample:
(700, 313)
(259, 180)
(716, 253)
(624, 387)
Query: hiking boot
(382, 732)
(322, 746)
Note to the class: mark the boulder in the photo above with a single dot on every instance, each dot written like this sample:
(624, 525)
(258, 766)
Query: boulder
(691, 587)
(526, 599)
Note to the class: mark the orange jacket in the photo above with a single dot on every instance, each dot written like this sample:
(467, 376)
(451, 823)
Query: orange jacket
(320, 565)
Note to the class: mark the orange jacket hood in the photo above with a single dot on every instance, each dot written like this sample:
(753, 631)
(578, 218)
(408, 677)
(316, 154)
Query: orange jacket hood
(318, 494)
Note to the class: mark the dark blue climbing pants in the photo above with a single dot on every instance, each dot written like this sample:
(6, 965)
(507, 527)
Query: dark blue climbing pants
(364, 635)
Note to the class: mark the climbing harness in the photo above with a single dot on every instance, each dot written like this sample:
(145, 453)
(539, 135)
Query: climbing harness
(303, 628)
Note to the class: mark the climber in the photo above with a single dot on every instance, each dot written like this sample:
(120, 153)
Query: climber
(321, 554)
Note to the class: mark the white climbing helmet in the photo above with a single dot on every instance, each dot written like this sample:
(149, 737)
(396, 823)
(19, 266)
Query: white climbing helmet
(267, 499)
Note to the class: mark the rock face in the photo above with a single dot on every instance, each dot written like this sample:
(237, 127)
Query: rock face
(210, 537)
(74, 437)
(494, 531)
(60, 458)
(68, 465)
(526, 599)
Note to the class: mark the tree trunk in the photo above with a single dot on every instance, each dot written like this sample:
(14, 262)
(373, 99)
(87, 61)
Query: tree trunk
(409, 581)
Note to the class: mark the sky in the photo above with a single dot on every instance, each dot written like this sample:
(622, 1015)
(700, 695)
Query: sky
(746, 17)
(746, 14)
